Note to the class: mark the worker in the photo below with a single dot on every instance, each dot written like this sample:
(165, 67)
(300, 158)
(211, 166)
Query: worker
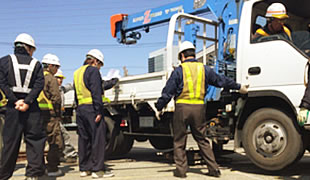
(69, 154)
(276, 16)
(89, 116)
(3, 102)
(188, 85)
(304, 112)
(50, 105)
(21, 80)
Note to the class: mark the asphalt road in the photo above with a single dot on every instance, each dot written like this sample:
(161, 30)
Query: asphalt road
(144, 162)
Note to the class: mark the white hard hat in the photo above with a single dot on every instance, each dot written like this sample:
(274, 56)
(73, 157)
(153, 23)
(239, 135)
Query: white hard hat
(59, 74)
(26, 39)
(186, 45)
(276, 10)
(96, 54)
(51, 59)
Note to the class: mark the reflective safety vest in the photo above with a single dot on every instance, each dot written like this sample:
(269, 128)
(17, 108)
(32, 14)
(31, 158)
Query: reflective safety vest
(82, 93)
(44, 102)
(263, 33)
(3, 101)
(193, 83)
(17, 67)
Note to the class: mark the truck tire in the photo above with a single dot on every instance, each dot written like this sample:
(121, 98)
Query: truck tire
(141, 139)
(110, 140)
(116, 142)
(161, 143)
(271, 140)
(123, 144)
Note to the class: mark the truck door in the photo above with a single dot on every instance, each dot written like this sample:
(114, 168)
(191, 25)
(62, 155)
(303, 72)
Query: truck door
(271, 63)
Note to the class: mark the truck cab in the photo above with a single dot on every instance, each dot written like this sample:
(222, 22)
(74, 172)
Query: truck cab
(273, 67)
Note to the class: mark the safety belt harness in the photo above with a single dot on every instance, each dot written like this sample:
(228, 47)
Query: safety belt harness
(286, 30)
(17, 67)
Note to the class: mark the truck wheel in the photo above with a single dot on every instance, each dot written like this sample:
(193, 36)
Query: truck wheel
(123, 144)
(116, 142)
(161, 143)
(141, 139)
(110, 140)
(270, 139)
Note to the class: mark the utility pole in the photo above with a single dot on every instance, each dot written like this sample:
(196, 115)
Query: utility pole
(125, 71)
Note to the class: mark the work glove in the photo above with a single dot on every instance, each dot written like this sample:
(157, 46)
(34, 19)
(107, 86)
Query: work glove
(158, 114)
(244, 89)
(115, 80)
(303, 116)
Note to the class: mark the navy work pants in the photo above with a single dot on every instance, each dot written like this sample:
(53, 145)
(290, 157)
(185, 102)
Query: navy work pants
(29, 124)
(194, 116)
(91, 143)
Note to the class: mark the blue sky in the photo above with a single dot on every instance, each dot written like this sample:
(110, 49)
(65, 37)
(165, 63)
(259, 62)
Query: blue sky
(71, 28)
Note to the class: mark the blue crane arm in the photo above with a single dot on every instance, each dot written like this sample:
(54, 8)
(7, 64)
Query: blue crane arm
(123, 26)
(123, 23)
(162, 14)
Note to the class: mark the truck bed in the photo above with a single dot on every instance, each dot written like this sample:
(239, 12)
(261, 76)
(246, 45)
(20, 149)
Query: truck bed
(137, 88)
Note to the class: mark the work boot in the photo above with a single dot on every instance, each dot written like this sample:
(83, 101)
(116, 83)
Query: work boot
(214, 173)
(32, 178)
(178, 174)
(100, 174)
(85, 173)
(55, 174)
(108, 174)
(96, 175)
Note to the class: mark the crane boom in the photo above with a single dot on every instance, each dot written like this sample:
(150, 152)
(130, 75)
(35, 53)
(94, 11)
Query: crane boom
(121, 24)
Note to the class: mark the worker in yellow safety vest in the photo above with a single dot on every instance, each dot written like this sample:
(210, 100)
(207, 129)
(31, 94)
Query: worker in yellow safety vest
(276, 17)
(89, 116)
(50, 105)
(188, 84)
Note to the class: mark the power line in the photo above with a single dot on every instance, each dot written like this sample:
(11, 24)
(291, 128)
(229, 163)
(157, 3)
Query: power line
(37, 9)
(39, 45)
(46, 5)
(111, 67)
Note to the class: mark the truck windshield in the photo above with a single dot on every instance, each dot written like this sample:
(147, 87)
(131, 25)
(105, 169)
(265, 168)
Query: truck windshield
(297, 25)
(301, 39)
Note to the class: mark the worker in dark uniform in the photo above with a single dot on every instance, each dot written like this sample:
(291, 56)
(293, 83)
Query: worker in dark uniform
(304, 112)
(276, 16)
(89, 116)
(50, 105)
(3, 102)
(69, 154)
(188, 85)
(21, 80)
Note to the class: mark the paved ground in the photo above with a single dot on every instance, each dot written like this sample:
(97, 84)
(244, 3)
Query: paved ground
(143, 162)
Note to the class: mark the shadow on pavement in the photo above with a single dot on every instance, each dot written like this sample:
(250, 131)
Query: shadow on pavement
(241, 163)
(227, 160)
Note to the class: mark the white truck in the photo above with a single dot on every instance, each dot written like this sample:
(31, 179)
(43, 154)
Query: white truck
(263, 122)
